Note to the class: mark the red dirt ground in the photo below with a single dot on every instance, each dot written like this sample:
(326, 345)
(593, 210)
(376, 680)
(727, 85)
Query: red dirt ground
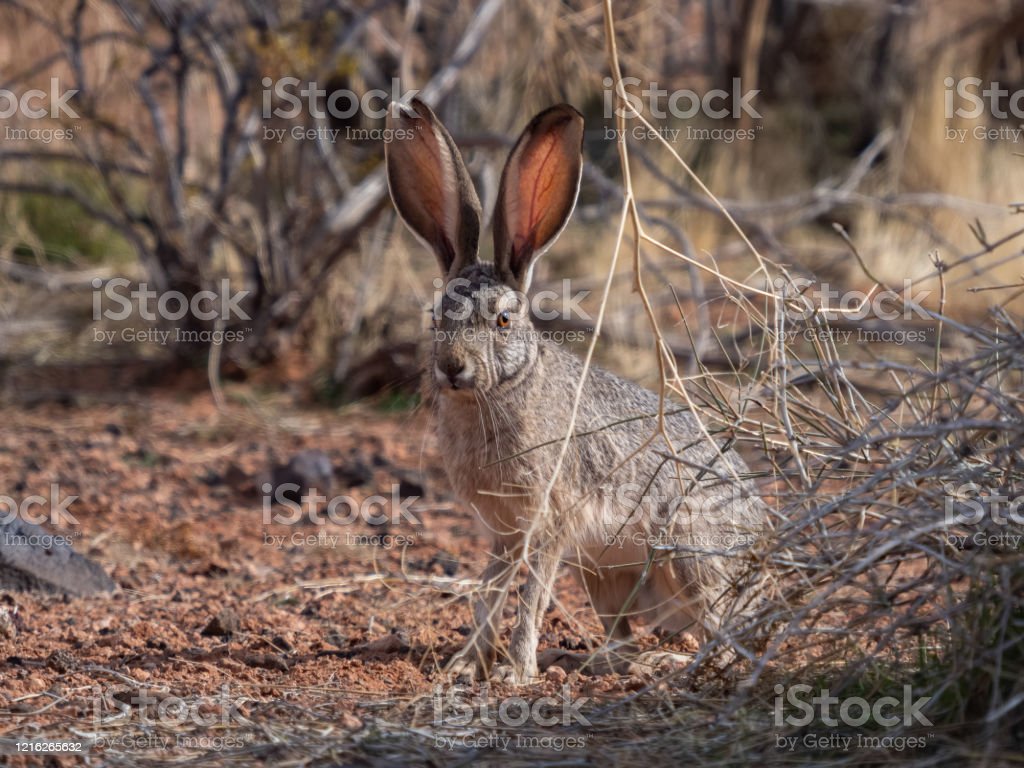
(330, 630)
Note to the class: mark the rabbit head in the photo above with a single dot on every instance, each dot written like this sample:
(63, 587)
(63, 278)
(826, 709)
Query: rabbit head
(483, 333)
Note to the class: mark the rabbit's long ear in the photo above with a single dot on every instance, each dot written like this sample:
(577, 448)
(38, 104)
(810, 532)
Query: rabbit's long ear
(539, 187)
(430, 186)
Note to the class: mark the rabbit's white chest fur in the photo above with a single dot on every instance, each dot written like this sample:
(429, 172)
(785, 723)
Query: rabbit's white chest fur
(489, 464)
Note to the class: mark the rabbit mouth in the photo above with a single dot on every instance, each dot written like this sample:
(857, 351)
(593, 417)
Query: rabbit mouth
(456, 378)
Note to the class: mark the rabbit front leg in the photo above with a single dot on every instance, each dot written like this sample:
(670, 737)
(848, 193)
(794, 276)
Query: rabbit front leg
(475, 659)
(543, 567)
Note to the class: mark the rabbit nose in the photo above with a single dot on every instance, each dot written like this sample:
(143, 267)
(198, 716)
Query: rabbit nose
(454, 374)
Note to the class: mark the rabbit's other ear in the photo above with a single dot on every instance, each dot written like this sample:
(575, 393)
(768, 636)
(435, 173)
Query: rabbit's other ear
(430, 186)
(538, 191)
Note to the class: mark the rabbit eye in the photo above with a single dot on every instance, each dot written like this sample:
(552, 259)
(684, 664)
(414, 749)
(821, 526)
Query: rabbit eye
(504, 318)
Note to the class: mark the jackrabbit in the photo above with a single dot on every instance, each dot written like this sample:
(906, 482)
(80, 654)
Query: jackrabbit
(651, 529)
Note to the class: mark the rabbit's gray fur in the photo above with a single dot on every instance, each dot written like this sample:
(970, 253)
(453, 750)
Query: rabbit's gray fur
(653, 534)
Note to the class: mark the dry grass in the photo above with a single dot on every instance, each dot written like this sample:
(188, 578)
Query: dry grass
(872, 588)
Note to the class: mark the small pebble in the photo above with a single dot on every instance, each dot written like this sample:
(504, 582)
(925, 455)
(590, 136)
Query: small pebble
(556, 675)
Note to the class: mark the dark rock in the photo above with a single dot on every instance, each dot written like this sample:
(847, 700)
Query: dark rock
(224, 624)
(211, 478)
(397, 641)
(280, 642)
(354, 472)
(410, 484)
(61, 661)
(336, 637)
(393, 369)
(307, 471)
(237, 479)
(264, 661)
(31, 559)
(448, 562)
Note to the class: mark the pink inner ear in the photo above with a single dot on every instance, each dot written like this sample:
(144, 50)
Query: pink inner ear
(425, 187)
(522, 244)
(538, 189)
(545, 191)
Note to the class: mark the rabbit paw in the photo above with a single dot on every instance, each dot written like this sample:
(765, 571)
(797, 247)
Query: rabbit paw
(514, 674)
(467, 666)
(663, 661)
